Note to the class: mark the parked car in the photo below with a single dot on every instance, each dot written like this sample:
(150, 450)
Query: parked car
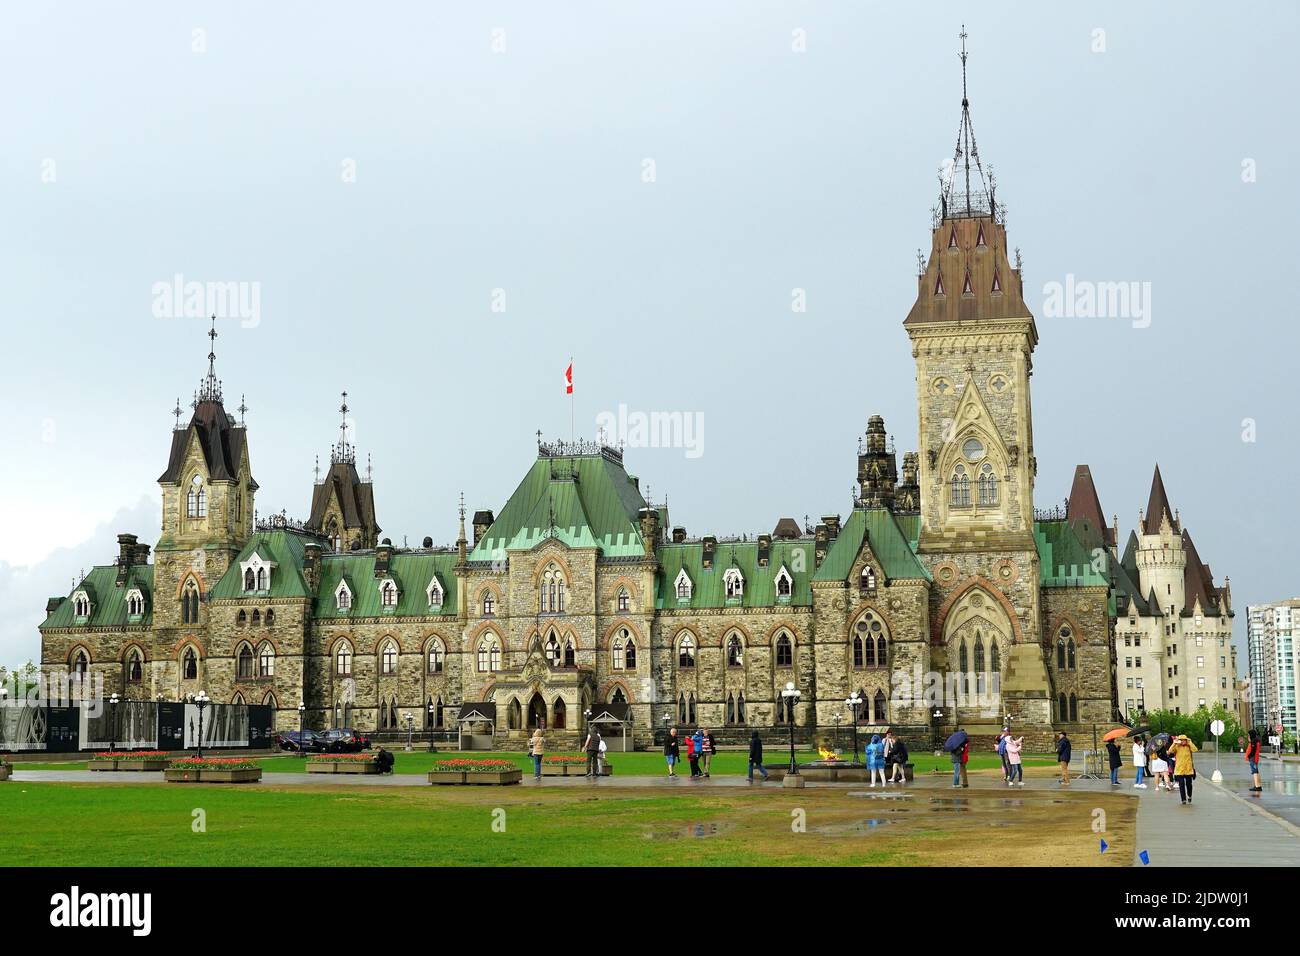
(290, 740)
(343, 740)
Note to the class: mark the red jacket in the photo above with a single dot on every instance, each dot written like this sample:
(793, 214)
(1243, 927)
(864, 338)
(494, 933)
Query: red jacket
(965, 752)
(1252, 752)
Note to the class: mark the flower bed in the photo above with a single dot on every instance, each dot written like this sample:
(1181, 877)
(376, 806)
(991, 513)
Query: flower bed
(464, 770)
(568, 765)
(212, 770)
(342, 763)
(139, 760)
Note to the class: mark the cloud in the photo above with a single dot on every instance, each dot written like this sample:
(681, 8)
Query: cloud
(24, 589)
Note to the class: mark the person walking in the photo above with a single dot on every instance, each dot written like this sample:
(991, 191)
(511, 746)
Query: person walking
(600, 758)
(898, 773)
(592, 747)
(1252, 760)
(955, 756)
(1140, 760)
(1115, 761)
(1162, 766)
(1002, 752)
(965, 756)
(536, 748)
(756, 756)
(1017, 770)
(672, 751)
(706, 757)
(1063, 756)
(1184, 766)
(876, 759)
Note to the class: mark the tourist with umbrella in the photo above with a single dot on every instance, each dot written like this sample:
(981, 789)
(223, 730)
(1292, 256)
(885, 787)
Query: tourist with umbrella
(1017, 774)
(1115, 761)
(958, 747)
(1158, 748)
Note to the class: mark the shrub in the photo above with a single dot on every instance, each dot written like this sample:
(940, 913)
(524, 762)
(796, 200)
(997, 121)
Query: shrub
(341, 758)
(132, 755)
(212, 763)
(565, 759)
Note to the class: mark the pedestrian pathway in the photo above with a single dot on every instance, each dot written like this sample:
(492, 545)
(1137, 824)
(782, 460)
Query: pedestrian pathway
(1218, 828)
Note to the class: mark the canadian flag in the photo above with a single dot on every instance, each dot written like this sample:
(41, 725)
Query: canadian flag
(568, 379)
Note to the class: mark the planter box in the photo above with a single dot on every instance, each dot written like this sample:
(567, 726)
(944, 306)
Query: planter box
(573, 770)
(147, 765)
(500, 777)
(212, 776)
(343, 766)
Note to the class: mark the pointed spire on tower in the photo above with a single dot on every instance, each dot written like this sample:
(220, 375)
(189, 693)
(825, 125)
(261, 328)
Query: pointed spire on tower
(343, 451)
(1158, 507)
(210, 387)
(966, 204)
(177, 412)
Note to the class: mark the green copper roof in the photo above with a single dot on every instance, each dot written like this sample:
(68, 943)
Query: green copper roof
(412, 572)
(108, 601)
(282, 547)
(1063, 559)
(888, 542)
(585, 501)
(760, 583)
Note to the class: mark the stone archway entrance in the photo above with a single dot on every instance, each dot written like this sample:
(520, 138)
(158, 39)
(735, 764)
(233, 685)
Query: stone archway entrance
(536, 712)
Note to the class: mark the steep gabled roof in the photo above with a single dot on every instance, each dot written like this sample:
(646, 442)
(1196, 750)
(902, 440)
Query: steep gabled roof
(356, 498)
(285, 548)
(1083, 510)
(888, 542)
(1157, 506)
(220, 440)
(760, 583)
(1198, 584)
(108, 601)
(1065, 561)
(412, 572)
(583, 500)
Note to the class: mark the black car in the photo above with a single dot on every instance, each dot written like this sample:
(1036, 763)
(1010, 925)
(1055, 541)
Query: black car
(290, 740)
(344, 740)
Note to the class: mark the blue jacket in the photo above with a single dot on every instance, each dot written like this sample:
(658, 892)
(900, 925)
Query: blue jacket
(875, 756)
(699, 742)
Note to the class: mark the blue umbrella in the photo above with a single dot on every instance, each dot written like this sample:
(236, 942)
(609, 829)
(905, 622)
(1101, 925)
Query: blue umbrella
(956, 741)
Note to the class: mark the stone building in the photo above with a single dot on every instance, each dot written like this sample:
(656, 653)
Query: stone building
(941, 599)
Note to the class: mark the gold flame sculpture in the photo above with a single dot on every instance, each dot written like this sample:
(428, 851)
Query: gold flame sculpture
(827, 754)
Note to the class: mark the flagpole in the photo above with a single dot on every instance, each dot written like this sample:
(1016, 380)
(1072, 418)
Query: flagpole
(571, 413)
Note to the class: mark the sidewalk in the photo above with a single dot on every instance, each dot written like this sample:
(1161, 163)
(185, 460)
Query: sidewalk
(1218, 828)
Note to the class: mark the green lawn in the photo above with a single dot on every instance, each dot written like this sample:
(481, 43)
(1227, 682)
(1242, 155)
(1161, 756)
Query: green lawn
(93, 824)
(632, 764)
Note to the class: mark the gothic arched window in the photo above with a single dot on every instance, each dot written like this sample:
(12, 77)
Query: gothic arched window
(190, 664)
(735, 651)
(388, 658)
(266, 660)
(245, 667)
(960, 485)
(988, 485)
(570, 653)
(784, 650)
(630, 656)
(190, 603)
(343, 661)
(686, 652)
(435, 657)
(859, 659)
(134, 670)
(882, 710)
(624, 602)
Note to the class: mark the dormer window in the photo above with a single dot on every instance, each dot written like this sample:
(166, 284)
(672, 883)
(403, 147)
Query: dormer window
(733, 584)
(434, 593)
(135, 603)
(388, 594)
(784, 584)
(683, 585)
(343, 596)
(81, 604)
(256, 573)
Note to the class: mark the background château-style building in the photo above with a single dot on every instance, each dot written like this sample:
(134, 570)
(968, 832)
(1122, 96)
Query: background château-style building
(581, 595)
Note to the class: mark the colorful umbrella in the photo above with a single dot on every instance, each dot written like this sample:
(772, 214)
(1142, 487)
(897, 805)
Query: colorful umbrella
(1117, 733)
(956, 741)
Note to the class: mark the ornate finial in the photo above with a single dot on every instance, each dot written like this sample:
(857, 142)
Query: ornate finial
(965, 206)
(210, 389)
(462, 506)
(177, 412)
(343, 451)
(1019, 262)
(539, 438)
(920, 263)
(370, 471)
(243, 407)
(964, 101)
(317, 470)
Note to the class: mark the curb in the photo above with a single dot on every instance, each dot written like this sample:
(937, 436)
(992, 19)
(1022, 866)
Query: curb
(1256, 808)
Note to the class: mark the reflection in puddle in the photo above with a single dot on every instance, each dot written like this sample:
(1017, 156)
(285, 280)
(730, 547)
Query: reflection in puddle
(691, 830)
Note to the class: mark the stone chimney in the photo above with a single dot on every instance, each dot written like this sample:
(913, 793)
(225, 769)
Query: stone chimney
(764, 550)
(383, 558)
(679, 535)
(126, 545)
(311, 557)
(710, 546)
(650, 528)
(482, 521)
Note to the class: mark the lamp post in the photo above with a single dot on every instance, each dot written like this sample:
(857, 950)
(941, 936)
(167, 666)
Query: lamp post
(853, 702)
(112, 721)
(410, 723)
(938, 716)
(302, 736)
(837, 718)
(201, 701)
(433, 711)
(791, 695)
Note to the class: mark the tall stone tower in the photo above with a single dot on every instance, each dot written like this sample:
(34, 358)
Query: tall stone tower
(973, 340)
(207, 504)
(342, 505)
(1160, 556)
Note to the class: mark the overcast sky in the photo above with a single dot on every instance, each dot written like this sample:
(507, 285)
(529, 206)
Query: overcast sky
(438, 204)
